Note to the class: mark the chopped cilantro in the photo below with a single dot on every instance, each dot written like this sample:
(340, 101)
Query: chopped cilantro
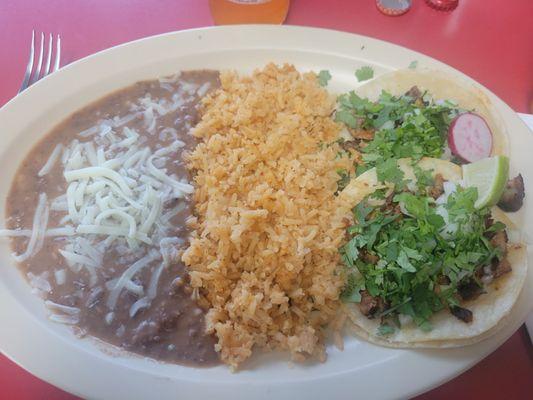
(364, 73)
(496, 227)
(379, 194)
(385, 329)
(403, 126)
(413, 64)
(424, 178)
(388, 171)
(361, 211)
(344, 179)
(352, 292)
(362, 168)
(347, 118)
(403, 261)
(414, 250)
(323, 77)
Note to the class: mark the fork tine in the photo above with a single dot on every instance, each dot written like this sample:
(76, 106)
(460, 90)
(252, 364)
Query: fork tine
(29, 67)
(37, 72)
(58, 53)
(49, 55)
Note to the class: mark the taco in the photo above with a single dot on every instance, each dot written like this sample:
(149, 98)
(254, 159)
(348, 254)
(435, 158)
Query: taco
(425, 267)
(412, 113)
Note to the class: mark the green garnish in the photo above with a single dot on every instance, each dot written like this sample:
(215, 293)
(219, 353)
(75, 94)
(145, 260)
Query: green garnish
(403, 126)
(388, 171)
(323, 77)
(422, 257)
(413, 254)
(379, 194)
(385, 329)
(424, 178)
(347, 118)
(413, 64)
(344, 179)
(364, 73)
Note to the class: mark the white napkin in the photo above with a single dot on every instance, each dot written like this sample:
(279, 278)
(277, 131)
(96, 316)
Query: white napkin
(528, 119)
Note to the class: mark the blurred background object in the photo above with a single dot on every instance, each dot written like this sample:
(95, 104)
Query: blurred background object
(393, 7)
(443, 5)
(226, 12)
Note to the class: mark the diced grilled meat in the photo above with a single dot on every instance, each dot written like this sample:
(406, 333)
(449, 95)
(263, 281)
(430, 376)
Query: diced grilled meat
(437, 189)
(513, 195)
(499, 241)
(363, 144)
(414, 93)
(363, 134)
(469, 290)
(349, 145)
(488, 223)
(443, 280)
(353, 147)
(501, 267)
(370, 305)
(463, 314)
(479, 271)
(369, 257)
(389, 206)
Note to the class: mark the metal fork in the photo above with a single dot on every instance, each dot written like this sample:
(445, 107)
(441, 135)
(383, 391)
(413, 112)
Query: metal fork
(32, 74)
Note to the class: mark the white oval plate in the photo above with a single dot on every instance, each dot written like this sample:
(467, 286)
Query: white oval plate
(79, 366)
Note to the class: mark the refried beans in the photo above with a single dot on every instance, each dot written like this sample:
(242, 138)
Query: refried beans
(128, 289)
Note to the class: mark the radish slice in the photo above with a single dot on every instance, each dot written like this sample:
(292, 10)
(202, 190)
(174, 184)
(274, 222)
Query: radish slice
(469, 137)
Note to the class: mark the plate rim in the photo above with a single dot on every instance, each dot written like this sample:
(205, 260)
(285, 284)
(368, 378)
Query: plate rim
(49, 81)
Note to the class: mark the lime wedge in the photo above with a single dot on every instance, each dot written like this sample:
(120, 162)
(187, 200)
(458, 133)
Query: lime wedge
(489, 176)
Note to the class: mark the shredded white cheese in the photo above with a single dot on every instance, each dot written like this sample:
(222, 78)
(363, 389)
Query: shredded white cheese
(116, 190)
(60, 276)
(49, 164)
(97, 172)
(154, 281)
(109, 317)
(127, 275)
(61, 308)
(131, 286)
(40, 282)
(40, 222)
(64, 319)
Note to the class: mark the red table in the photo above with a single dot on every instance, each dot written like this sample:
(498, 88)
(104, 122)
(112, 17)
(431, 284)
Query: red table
(490, 40)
